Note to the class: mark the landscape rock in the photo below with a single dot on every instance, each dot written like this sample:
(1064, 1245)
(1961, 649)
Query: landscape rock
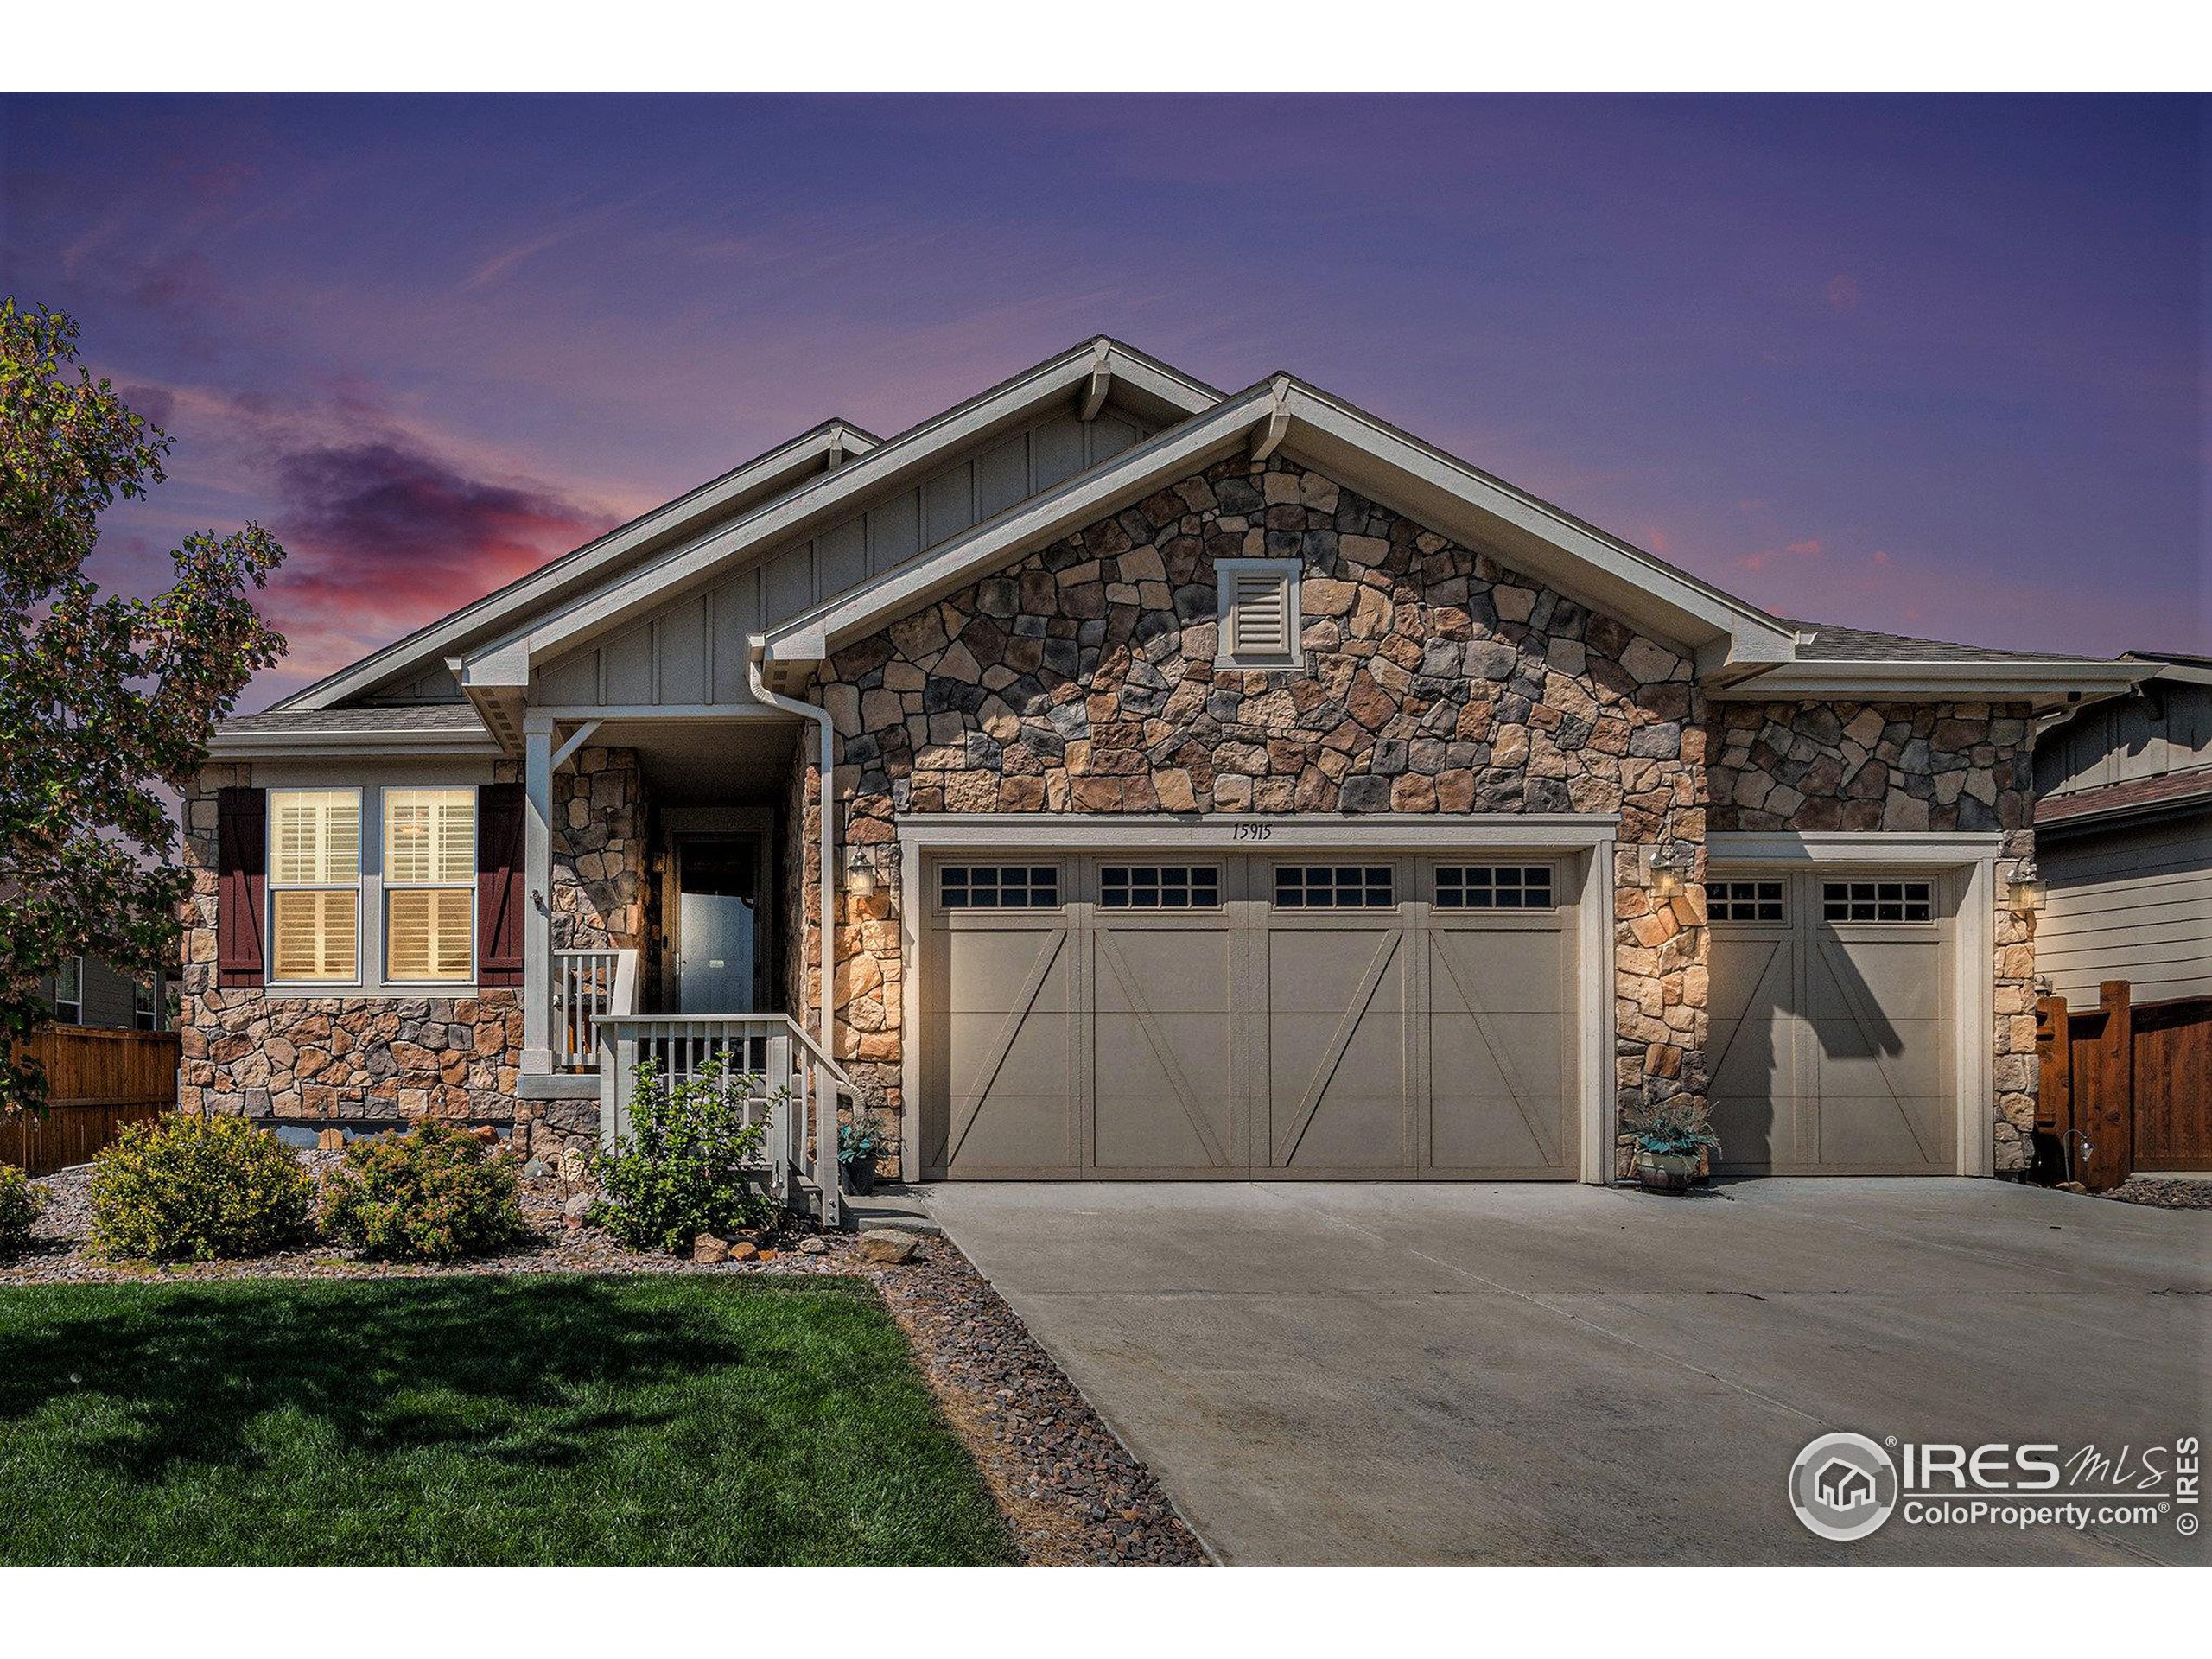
(885, 1245)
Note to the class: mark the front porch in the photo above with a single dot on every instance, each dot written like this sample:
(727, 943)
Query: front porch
(662, 911)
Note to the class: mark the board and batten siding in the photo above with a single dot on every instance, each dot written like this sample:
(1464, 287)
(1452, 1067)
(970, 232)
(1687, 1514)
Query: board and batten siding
(2128, 739)
(2132, 903)
(692, 650)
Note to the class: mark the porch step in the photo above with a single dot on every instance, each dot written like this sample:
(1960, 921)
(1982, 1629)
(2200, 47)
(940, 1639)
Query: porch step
(899, 1209)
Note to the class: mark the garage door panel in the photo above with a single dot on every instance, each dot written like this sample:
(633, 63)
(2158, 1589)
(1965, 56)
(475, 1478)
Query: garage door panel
(1009, 1052)
(989, 968)
(1010, 1132)
(1500, 972)
(1348, 1130)
(1864, 977)
(1516, 1054)
(1883, 1132)
(1495, 1135)
(1739, 976)
(1136, 1133)
(1322, 970)
(1755, 1131)
(1905, 1057)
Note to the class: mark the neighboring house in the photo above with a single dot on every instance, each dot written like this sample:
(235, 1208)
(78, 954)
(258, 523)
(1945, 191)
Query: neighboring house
(2124, 832)
(90, 991)
(1222, 787)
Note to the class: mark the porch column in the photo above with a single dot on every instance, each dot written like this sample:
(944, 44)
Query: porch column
(538, 896)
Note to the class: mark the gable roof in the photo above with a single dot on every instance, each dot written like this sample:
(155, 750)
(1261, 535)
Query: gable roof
(811, 484)
(777, 471)
(1088, 371)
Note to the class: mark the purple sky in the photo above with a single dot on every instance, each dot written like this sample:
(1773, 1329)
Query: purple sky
(1931, 364)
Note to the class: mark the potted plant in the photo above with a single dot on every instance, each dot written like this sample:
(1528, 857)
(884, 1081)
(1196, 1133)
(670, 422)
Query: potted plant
(1675, 1143)
(858, 1143)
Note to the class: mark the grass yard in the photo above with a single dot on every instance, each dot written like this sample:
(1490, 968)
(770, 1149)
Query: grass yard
(557, 1419)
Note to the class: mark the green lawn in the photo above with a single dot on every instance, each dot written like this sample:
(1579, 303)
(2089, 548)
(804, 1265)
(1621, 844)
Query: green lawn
(527, 1419)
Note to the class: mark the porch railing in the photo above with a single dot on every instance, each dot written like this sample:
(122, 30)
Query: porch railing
(587, 986)
(794, 1083)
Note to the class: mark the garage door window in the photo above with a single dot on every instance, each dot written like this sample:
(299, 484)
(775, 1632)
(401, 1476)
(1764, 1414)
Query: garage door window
(1159, 886)
(1335, 886)
(1744, 901)
(1494, 886)
(1877, 901)
(1000, 886)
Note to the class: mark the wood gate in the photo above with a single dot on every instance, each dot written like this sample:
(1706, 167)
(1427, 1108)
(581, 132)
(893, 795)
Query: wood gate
(2125, 1086)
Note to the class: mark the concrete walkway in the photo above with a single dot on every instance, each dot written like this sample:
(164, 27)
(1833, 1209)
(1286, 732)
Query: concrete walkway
(1537, 1374)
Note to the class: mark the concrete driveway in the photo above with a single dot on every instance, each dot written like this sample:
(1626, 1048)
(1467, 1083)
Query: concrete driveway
(1536, 1374)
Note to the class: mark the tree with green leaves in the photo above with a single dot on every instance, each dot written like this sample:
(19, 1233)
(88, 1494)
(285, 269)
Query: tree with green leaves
(106, 700)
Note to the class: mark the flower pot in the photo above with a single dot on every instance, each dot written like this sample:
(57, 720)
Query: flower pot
(859, 1176)
(1666, 1172)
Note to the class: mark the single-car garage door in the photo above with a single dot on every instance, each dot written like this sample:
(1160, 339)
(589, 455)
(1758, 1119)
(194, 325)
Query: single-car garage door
(1833, 1041)
(1248, 1015)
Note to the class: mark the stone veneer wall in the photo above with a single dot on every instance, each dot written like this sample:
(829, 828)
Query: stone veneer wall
(368, 1061)
(1082, 680)
(1903, 766)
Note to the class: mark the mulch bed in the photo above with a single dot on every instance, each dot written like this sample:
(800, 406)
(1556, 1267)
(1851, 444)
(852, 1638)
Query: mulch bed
(2162, 1192)
(1071, 1491)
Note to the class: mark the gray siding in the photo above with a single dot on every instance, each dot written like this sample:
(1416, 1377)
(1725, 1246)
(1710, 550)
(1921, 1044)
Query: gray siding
(2129, 903)
(109, 996)
(692, 650)
(2126, 738)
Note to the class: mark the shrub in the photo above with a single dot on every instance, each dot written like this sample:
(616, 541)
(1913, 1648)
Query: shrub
(20, 1203)
(195, 1188)
(432, 1194)
(680, 1171)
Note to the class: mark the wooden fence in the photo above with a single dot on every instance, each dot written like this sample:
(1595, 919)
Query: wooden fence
(2126, 1085)
(98, 1081)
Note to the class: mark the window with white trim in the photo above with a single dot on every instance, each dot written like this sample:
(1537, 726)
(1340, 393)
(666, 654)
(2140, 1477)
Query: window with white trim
(1259, 613)
(69, 991)
(999, 886)
(1877, 901)
(1743, 901)
(1335, 886)
(142, 1007)
(1494, 886)
(429, 884)
(1159, 886)
(314, 885)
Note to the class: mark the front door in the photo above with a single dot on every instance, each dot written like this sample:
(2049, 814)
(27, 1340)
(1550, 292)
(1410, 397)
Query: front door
(719, 959)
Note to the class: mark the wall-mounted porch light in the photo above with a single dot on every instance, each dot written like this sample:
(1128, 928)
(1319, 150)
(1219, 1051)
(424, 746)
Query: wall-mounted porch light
(1667, 868)
(2029, 889)
(867, 867)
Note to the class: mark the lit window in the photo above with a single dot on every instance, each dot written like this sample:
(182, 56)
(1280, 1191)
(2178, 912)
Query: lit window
(1335, 886)
(1259, 613)
(999, 886)
(430, 884)
(314, 884)
(1744, 901)
(1877, 901)
(1159, 886)
(69, 991)
(1494, 886)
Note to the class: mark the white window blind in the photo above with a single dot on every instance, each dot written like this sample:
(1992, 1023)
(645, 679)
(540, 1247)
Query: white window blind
(1259, 613)
(314, 884)
(429, 878)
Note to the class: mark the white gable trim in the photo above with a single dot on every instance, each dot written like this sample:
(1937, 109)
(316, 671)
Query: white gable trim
(1148, 388)
(1395, 470)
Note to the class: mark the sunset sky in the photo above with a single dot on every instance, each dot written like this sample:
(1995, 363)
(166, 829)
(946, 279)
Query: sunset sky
(1929, 364)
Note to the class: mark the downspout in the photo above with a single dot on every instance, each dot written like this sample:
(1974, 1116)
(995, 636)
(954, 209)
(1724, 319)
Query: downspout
(827, 763)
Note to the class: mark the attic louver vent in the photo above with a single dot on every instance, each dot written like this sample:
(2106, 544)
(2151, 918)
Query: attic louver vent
(1259, 613)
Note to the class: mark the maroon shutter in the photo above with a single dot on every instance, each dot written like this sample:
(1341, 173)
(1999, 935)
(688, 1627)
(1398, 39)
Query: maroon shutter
(498, 884)
(241, 885)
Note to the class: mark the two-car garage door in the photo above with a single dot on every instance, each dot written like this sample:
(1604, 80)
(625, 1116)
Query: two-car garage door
(1233, 1015)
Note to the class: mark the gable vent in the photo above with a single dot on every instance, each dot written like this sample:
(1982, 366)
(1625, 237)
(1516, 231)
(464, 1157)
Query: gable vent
(1259, 613)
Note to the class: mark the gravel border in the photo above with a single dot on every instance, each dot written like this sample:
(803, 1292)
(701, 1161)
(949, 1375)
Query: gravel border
(2162, 1192)
(1071, 1491)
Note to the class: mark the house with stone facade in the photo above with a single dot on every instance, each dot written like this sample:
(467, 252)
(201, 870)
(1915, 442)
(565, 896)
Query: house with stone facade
(1111, 778)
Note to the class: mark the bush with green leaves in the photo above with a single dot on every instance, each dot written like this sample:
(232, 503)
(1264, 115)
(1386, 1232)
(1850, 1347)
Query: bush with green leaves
(20, 1203)
(683, 1168)
(432, 1194)
(1680, 1127)
(191, 1189)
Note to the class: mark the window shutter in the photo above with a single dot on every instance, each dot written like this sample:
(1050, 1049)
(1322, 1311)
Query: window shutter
(498, 884)
(242, 878)
(1258, 600)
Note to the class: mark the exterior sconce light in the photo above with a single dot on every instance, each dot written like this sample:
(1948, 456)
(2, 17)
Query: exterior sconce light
(2029, 889)
(865, 868)
(1666, 869)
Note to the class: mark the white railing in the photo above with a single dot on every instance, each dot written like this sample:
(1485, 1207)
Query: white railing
(783, 1071)
(587, 985)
